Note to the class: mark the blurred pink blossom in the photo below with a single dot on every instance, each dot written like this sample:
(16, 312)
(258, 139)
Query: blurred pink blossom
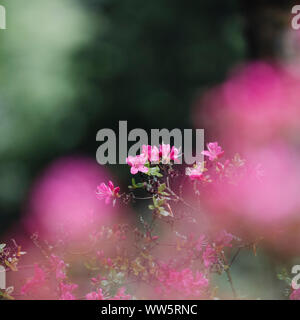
(95, 295)
(182, 283)
(35, 282)
(63, 201)
(209, 256)
(121, 295)
(67, 291)
(214, 151)
(59, 267)
(295, 295)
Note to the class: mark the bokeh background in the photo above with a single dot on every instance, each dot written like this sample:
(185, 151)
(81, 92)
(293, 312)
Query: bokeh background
(69, 68)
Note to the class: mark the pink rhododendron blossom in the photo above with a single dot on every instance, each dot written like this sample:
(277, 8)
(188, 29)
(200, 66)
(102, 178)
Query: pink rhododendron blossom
(196, 172)
(183, 283)
(167, 154)
(95, 295)
(200, 242)
(107, 192)
(214, 151)
(164, 151)
(59, 267)
(137, 164)
(151, 153)
(63, 202)
(295, 295)
(67, 291)
(175, 154)
(209, 256)
(38, 280)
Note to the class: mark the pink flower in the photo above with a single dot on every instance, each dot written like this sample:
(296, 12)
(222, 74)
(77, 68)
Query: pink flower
(164, 151)
(137, 163)
(182, 283)
(196, 172)
(121, 295)
(209, 257)
(38, 280)
(295, 295)
(107, 192)
(175, 154)
(214, 151)
(200, 243)
(151, 153)
(95, 295)
(59, 267)
(67, 291)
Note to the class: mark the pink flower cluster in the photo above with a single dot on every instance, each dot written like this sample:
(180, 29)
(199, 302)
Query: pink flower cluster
(95, 295)
(210, 251)
(59, 267)
(35, 282)
(66, 291)
(153, 154)
(183, 283)
(209, 256)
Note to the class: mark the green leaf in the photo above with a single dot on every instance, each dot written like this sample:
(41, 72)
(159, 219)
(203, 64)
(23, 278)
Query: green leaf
(161, 202)
(2, 246)
(136, 185)
(161, 188)
(155, 202)
(164, 212)
(155, 171)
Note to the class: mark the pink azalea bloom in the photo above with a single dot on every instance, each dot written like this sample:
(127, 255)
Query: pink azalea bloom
(67, 296)
(175, 154)
(214, 151)
(200, 243)
(107, 192)
(209, 257)
(151, 153)
(164, 151)
(67, 291)
(95, 295)
(38, 280)
(183, 283)
(59, 267)
(196, 172)
(137, 164)
(295, 295)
